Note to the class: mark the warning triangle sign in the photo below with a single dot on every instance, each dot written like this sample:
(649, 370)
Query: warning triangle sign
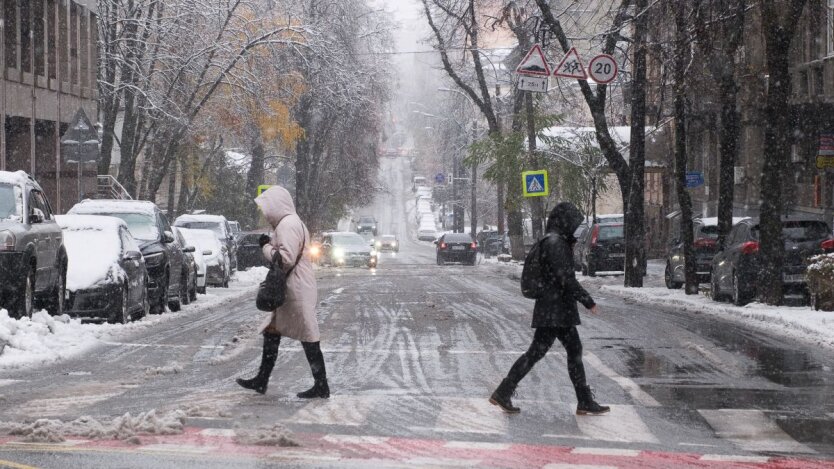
(535, 185)
(571, 66)
(534, 63)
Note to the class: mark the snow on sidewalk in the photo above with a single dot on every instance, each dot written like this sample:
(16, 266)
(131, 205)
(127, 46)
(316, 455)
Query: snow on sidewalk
(802, 323)
(46, 339)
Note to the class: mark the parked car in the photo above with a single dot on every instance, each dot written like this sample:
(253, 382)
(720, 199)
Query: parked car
(388, 243)
(705, 246)
(602, 249)
(735, 268)
(249, 252)
(163, 254)
(367, 224)
(33, 260)
(217, 224)
(427, 232)
(236, 230)
(347, 249)
(215, 255)
(199, 259)
(579, 234)
(493, 243)
(106, 276)
(456, 247)
(190, 268)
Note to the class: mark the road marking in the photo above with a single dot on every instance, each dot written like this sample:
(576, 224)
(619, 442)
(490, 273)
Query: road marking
(629, 453)
(731, 458)
(752, 430)
(128, 344)
(338, 410)
(356, 439)
(443, 462)
(60, 405)
(628, 385)
(470, 416)
(577, 466)
(14, 465)
(224, 432)
(476, 445)
(311, 455)
(622, 424)
(172, 448)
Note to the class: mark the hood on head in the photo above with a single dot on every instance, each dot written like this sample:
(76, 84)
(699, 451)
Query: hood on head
(275, 203)
(564, 219)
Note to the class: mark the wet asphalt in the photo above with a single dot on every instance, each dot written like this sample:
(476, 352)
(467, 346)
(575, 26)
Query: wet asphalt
(414, 349)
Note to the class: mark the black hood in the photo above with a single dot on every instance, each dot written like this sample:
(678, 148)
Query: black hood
(564, 219)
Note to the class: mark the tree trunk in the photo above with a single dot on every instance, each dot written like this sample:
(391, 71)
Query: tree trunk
(686, 236)
(172, 191)
(634, 214)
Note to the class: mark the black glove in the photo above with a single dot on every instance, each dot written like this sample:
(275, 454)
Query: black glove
(264, 240)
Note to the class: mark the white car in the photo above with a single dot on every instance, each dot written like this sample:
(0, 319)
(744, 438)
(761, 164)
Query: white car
(218, 225)
(198, 259)
(214, 254)
(427, 233)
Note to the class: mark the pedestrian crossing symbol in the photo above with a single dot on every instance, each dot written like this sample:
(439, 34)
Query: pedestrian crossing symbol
(535, 183)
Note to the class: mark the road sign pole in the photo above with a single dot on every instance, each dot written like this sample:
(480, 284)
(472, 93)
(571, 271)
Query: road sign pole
(80, 185)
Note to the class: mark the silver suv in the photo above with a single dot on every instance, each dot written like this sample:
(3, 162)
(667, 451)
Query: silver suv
(33, 262)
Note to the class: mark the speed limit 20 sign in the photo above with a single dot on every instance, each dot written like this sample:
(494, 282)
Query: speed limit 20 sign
(603, 69)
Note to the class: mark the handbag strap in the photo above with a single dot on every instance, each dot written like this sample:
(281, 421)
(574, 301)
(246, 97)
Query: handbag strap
(276, 258)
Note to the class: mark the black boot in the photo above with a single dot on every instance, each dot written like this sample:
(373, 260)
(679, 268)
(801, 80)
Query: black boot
(270, 354)
(586, 404)
(315, 358)
(502, 397)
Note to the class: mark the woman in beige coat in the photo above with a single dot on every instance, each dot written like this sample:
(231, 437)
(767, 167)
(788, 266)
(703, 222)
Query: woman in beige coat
(296, 318)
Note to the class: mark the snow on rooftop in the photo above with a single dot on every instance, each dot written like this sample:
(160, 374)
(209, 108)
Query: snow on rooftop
(93, 250)
(196, 218)
(93, 206)
(16, 177)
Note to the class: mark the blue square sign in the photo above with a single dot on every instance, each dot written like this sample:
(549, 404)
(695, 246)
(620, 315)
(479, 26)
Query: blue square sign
(535, 183)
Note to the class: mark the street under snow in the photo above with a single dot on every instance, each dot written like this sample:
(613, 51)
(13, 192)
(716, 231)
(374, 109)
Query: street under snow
(413, 350)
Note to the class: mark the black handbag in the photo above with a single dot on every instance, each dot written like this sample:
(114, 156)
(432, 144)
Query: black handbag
(272, 293)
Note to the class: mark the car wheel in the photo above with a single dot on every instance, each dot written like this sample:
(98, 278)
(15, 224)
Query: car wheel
(714, 291)
(57, 302)
(670, 280)
(192, 292)
(25, 304)
(591, 271)
(162, 301)
(739, 298)
(185, 292)
(439, 260)
(176, 305)
(122, 314)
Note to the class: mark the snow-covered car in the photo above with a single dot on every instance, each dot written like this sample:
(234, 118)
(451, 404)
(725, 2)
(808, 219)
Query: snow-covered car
(199, 259)
(106, 274)
(427, 233)
(347, 249)
(190, 268)
(215, 255)
(218, 225)
(33, 259)
(163, 254)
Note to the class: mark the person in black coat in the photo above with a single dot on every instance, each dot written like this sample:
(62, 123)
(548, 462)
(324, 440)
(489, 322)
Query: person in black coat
(555, 315)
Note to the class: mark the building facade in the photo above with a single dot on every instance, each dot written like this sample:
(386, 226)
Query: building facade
(49, 56)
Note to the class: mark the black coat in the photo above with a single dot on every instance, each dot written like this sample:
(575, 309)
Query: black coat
(557, 308)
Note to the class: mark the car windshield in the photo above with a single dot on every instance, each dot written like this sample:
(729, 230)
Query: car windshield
(216, 227)
(457, 238)
(366, 220)
(611, 231)
(799, 231)
(349, 240)
(11, 202)
(141, 226)
(708, 232)
(389, 238)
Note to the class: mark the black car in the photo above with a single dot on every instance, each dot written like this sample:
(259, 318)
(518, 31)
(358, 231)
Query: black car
(189, 269)
(493, 243)
(735, 268)
(106, 276)
(602, 248)
(456, 247)
(249, 252)
(163, 254)
(705, 246)
(33, 260)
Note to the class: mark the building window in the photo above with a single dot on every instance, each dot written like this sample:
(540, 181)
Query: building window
(63, 26)
(26, 36)
(10, 22)
(85, 47)
(94, 47)
(50, 36)
(39, 26)
(830, 28)
(73, 43)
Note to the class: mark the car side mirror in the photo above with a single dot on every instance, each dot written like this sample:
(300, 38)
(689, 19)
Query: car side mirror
(207, 252)
(189, 249)
(167, 237)
(133, 255)
(434, 242)
(36, 216)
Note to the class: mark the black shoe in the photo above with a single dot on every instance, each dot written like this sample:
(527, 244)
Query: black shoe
(256, 384)
(502, 397)
(270, 354)
(586, 404)
(319, 390)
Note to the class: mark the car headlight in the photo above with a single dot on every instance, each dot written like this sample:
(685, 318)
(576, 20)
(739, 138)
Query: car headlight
(373, 253)
(315, 251)
(154, 259)
(378, 244)
(339, 253)
(394, 244)
(7, 240)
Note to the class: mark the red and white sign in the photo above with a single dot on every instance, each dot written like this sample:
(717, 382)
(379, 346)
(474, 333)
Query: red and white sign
(534, 63)
(603, 69)
(571, 66)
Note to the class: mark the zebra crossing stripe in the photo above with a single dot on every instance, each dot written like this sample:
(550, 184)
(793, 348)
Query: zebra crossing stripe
(752, 430)
(623, 424)
(731, 458)
(350, 411)
(470, 416)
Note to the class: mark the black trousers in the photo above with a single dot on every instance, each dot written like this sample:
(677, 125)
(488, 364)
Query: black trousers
(542, 341)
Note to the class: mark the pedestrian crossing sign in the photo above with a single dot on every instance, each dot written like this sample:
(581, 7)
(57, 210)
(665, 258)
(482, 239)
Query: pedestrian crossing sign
(535, 183)
(262, 188)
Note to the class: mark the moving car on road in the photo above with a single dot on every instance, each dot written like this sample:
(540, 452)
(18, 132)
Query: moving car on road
(347, 249)
(367, 224)
(217, 224)
(602, 249)
(735, 268)
(456, 247)
(388, 243)
(106, 277)
(215, 255)
(163, 254)
(249, 253)
(33, 260)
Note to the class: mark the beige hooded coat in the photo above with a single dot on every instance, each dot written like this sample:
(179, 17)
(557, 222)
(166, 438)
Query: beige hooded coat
(296, 318)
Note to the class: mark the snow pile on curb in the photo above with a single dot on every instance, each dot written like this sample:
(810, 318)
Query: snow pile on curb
(275, 435)
(802, 323)
(126, 427)
(46, 339)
